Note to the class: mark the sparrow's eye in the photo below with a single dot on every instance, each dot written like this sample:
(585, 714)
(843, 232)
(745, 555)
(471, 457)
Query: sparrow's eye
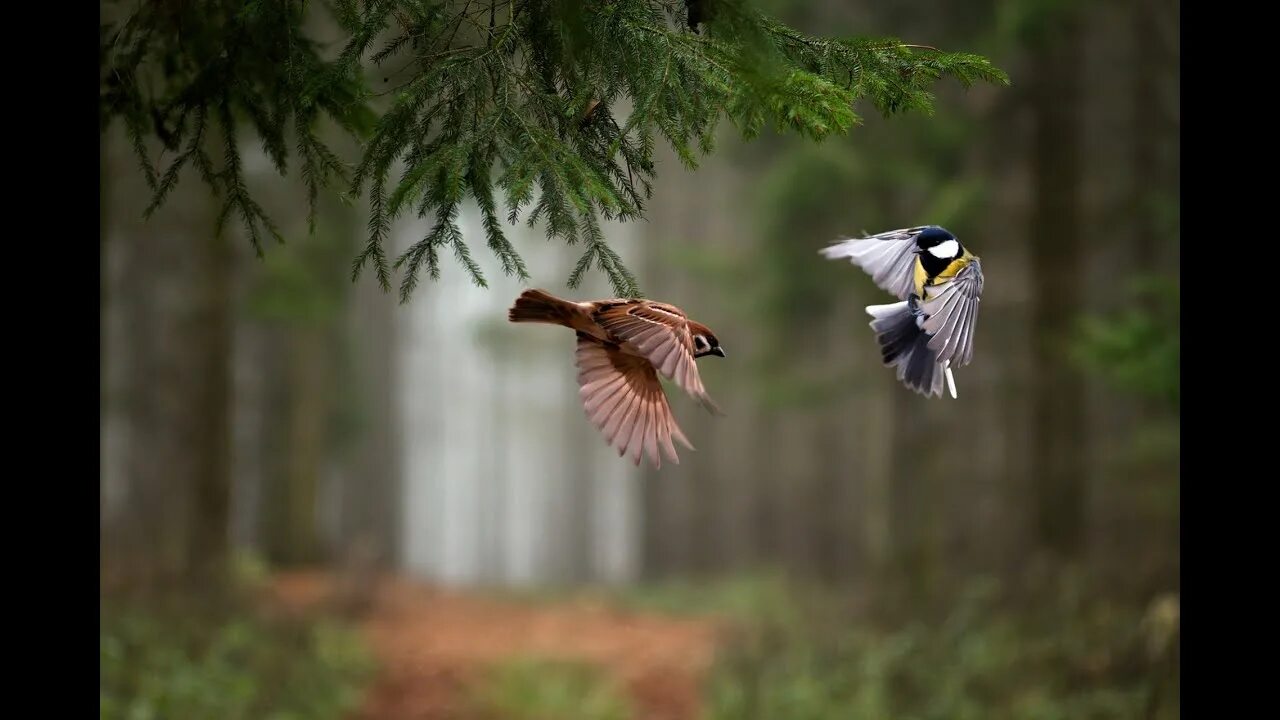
(700, 343)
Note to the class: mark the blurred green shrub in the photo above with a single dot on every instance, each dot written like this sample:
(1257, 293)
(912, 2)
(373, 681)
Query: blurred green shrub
(764, 597)
(1137, 349)
(537, 689)
(1061, 652)
(183, 662)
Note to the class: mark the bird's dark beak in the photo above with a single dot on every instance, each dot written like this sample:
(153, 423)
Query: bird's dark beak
(717, 351)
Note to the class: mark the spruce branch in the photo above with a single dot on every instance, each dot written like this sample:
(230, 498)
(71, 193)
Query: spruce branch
(510, 98)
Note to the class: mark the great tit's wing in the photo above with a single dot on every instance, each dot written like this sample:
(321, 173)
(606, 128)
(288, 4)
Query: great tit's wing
(903, 345)
(952, 315)
(889, 258)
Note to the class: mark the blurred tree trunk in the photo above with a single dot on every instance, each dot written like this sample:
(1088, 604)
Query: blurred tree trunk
(149, 546)
(1144, 514)
(103, 297)
(371, 507)
(580, 511)
(298, 427)
(1148, 130)
(274, 517)
(209, 351)
(152, 292)
(1154, 162)
(876, 466)
(308, 420)
(911, 504)
(1058, 438)
(302, 297)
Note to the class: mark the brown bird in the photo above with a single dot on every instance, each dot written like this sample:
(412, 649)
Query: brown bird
(622, 346)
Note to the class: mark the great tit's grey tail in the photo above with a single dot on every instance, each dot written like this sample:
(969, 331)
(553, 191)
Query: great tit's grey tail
(905, 346)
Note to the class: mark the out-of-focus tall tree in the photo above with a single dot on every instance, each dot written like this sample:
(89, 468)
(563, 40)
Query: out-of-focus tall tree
(166, 341)
(1056, 246)
(301, 295)
(208, 353)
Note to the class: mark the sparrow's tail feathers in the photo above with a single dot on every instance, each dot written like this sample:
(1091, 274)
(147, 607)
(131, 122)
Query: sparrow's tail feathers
(905, 346)
(539, 306)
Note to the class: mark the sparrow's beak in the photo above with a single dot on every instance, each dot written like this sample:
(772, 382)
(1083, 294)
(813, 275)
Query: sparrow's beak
(718, 351)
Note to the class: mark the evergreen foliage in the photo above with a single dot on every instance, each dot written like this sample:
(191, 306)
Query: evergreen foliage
(557, 106)
(191, 74)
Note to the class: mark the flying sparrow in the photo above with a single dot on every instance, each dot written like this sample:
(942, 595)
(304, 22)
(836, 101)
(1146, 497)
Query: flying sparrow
(622, 346)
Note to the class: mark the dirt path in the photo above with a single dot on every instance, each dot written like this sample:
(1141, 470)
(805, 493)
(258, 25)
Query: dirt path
(431, 644)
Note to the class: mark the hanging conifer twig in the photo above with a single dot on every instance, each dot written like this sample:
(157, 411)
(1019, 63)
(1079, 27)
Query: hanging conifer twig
(557, 106)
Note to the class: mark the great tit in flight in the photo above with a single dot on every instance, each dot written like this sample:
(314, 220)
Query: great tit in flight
(939, 285)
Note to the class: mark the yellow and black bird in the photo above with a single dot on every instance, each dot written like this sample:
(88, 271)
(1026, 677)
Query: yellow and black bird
(939, 283)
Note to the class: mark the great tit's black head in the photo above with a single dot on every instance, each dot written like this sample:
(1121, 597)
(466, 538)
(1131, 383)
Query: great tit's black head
(939, 243)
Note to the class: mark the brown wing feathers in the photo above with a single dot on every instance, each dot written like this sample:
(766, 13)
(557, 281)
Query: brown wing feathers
(622, 346)
(623, 398)
(661, 334)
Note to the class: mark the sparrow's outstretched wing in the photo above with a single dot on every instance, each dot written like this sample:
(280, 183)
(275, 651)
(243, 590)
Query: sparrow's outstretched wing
(889, 258)
(660, 333)
(624, 400)
(952, 315)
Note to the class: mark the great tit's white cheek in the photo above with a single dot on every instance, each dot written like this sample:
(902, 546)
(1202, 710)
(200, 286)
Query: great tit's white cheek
(945, 250)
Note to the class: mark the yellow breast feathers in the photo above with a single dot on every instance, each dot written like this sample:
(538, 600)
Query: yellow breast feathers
(922, 279)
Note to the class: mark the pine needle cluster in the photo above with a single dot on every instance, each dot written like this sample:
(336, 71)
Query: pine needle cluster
(539, 111)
